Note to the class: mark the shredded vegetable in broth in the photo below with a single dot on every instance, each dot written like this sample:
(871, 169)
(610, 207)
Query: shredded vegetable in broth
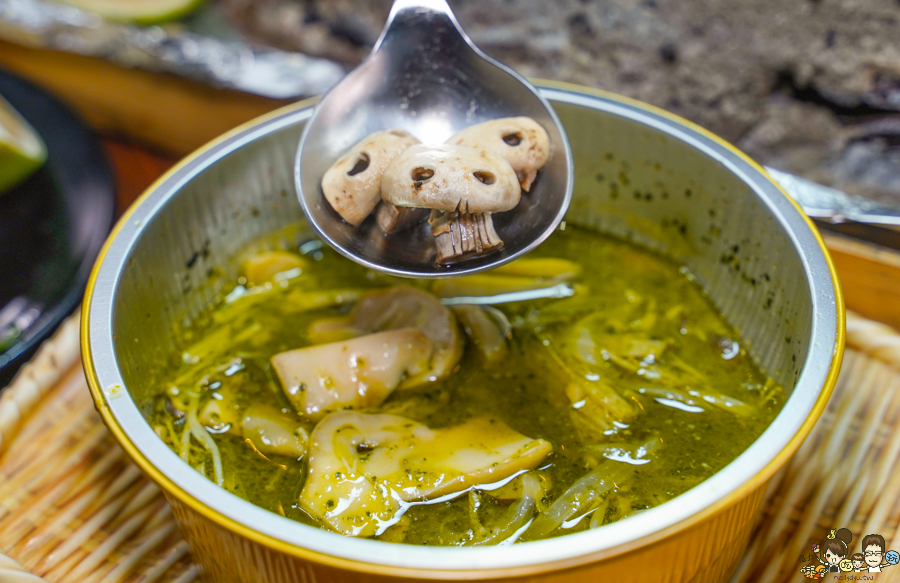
(572, 388)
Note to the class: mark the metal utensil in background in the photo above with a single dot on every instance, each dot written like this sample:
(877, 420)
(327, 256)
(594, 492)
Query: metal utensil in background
(839, 212)
(427, 77)
(832, 205)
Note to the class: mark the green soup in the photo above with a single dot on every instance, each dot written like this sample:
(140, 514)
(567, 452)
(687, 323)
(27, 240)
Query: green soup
(624, 366)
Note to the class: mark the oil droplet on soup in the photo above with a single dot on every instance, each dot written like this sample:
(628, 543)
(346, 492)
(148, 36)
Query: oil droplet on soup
(572, 388)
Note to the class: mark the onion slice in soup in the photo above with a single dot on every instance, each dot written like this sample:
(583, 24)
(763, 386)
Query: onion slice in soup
(581, 497)
(519, 515)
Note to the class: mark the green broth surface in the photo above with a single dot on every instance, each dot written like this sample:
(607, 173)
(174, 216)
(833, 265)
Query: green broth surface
(636, 325)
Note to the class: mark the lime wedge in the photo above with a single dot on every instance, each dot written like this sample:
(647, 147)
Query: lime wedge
(138, 11)
(21, 149)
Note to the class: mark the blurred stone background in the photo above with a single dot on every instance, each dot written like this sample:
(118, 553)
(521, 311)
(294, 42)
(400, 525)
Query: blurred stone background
(807, 86)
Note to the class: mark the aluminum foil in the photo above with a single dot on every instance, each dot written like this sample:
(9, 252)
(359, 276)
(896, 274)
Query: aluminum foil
(172, 49)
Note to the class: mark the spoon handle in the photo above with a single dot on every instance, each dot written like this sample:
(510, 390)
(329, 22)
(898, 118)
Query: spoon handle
(432, 5)
(429, 15)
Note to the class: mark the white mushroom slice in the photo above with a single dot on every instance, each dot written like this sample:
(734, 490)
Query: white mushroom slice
(451, 178)
(393, 219)
(272, 432)
(486, 333)
(352, 186)
(364, 470)
(401, 307)
(361, 372)
(521, 141)
(460, 235)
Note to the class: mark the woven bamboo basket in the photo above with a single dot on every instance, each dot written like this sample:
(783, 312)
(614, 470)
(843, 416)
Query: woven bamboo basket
(74, 509)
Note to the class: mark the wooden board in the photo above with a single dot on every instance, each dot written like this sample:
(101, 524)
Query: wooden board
(165, 112)
(870, 278)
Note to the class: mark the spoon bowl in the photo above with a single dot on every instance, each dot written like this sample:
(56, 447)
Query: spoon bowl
(426, 76)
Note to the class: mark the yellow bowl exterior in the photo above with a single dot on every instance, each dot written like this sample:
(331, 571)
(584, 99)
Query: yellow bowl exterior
(705, 547)
(707, 551)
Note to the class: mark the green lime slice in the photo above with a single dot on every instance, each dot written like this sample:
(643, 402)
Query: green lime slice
(21, 149)
(9, 336)
(138, 11)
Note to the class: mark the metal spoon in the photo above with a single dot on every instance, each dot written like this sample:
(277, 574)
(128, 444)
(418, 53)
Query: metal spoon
(427, 77)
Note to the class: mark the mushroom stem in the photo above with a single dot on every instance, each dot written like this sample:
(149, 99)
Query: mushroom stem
(526, 178)
(460, 234)
(393, 219)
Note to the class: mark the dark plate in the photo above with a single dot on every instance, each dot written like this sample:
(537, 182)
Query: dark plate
(51, 226)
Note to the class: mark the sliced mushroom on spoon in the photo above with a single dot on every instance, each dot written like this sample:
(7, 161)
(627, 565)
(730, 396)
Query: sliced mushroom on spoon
(451, 178)
(427, 78)
(352, 186)
(462, 186)
(521, 141)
